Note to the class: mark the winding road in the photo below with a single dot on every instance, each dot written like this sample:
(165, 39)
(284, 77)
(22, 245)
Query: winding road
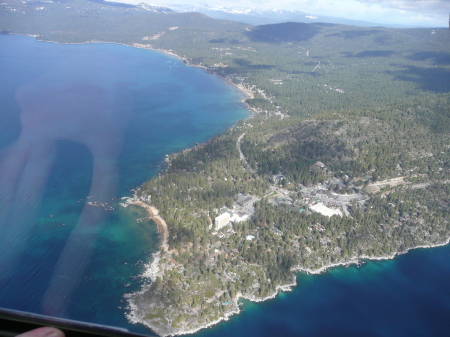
(241, 155)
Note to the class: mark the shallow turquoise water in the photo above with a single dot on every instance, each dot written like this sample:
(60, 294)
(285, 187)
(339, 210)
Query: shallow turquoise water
(169, 107)
(67, 109)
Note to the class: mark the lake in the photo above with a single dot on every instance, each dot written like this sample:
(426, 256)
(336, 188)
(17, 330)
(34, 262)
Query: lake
(83, 125)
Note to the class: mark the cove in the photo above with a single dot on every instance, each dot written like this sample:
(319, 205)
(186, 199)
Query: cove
(168, 107)
(81, 126)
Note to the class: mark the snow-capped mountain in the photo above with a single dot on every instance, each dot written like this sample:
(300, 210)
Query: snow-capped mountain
(155, 8)
(265, 16)
(246, 15)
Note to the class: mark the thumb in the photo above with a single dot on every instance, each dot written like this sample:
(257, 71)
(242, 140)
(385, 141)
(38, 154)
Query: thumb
(43, 332)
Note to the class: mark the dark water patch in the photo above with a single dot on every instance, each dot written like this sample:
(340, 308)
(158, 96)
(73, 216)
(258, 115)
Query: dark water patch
(217, 107)
(404, 297)
(94, 118)
(73, 164)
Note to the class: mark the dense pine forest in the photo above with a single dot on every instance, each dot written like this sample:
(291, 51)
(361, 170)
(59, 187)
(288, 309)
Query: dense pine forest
(338, 112)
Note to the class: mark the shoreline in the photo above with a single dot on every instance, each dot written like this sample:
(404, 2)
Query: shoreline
(154, 216)
(152, 270)
(356, 260)
(246, 92)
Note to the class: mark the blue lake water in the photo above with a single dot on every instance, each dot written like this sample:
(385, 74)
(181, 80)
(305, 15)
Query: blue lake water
(407, 296)
(77, 118)
(88, 123)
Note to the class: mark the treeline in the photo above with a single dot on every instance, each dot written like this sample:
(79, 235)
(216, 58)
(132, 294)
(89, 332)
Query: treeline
(331, 68)
(395, 140)
(402, 220)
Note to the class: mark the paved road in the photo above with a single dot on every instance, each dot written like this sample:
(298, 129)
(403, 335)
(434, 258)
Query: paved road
(238, 146)
(241, 155)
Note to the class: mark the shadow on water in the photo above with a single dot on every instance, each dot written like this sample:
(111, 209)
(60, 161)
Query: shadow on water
(284, 32)
(428, 79)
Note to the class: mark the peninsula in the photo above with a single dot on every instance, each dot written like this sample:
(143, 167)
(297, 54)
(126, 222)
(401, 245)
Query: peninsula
(251, 243)
(346, 158)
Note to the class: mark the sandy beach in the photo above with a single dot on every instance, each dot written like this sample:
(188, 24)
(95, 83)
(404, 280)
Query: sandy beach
(155, 217)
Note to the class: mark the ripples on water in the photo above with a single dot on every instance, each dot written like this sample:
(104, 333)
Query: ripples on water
(167, 107)
(81, 125)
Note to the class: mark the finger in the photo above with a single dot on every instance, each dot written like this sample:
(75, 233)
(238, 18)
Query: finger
(43, 332)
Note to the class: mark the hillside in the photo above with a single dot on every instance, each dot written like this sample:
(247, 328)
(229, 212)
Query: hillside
(346, 157)
(255, 16)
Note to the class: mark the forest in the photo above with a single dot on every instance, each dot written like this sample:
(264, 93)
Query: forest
(368, 104)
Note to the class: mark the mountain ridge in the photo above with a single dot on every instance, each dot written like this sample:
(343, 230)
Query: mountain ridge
(271, 16)
(345, 157)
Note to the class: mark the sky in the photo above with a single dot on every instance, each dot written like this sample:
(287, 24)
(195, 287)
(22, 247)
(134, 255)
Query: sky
(420, 13)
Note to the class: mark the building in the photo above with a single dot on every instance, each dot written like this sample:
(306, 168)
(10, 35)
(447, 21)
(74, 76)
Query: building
(222, 220)
(320, 165)
(276, 231)
(324, 210)
(243, 200)
(239, 217)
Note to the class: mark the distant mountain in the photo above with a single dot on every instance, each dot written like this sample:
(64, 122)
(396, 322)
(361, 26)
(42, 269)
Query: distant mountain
(142, 5)
(155, 9)
(88, 6)
(256, 17)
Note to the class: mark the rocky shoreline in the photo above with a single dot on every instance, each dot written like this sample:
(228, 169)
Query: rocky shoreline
(362, 258)
(153, 270)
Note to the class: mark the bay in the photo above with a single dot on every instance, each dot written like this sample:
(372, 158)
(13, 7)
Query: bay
(168, 107)
(74, 119)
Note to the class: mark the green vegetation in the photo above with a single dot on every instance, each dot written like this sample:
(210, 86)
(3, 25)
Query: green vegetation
(201, 262)
(362, 111)
(394, 140)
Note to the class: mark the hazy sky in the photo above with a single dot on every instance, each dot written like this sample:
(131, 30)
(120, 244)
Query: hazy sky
(411, 12)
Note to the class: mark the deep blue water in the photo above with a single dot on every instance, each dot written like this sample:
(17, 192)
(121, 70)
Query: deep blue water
(407, 296)
(153, 105)
(88, 123)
